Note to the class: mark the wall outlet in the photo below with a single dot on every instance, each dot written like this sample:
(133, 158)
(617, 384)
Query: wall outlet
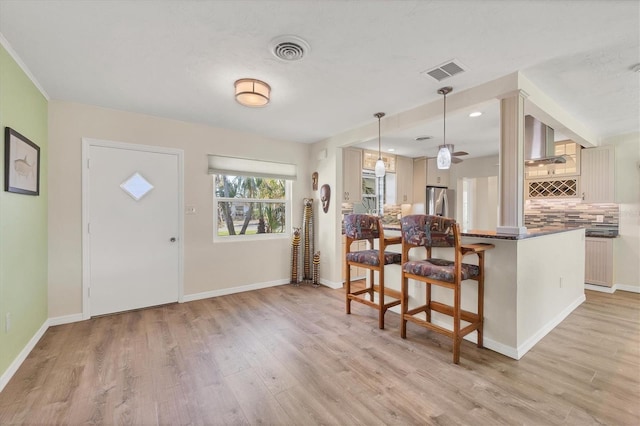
(599, 218)
(7, 322)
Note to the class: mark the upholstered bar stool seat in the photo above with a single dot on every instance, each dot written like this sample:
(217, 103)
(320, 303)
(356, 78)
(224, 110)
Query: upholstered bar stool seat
(365, 227)
(372, 257)
(435, 231)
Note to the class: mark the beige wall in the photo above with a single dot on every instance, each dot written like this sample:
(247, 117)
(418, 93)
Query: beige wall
(207, 266)
(627, 246)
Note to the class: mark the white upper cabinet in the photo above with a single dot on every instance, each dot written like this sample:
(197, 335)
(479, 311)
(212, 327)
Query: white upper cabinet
(598, 174)
(419, 179)
(404, 180)
(571, 152)
(351, 175)
(369, 159)
(436, 176)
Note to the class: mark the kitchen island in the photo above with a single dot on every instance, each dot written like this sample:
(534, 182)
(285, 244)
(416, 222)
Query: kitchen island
(532, 282)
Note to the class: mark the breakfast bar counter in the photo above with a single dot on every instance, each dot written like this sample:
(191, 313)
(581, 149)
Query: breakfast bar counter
(532, 282)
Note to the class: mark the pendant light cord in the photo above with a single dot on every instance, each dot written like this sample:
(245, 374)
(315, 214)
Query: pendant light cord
(379, 152)
(444, 91)
(444, 122)
(379, 115)
(380, 167)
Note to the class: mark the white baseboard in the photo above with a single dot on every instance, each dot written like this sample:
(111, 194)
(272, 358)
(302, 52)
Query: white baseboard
(530, 342)
(600, 288)
(66, 319)
(629, 288)
(613, 289)
(232, 290)
(501, 348)
(24, 353)
(331, 284)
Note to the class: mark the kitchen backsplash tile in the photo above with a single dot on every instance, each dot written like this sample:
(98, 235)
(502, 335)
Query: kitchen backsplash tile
(538, 213)
(391, 212)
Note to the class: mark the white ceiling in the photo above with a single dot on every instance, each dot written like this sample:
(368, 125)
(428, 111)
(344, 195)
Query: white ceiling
(179, 59)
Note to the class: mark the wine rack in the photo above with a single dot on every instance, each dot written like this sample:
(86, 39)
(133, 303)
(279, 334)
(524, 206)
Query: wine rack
(557, 188)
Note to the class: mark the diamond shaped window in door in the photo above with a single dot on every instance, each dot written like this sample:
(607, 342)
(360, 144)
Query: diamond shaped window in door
(136, 186)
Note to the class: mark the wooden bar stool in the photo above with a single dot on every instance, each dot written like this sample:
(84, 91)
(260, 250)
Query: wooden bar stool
(435, 231)
(365, 227)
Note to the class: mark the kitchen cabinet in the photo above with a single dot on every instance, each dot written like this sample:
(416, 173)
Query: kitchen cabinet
(552, 188)
(598, 262)
(369, 159)
(419, 179)
(436, 176)
(598, 174)
(351, 175)
(404, 180)
(426, 172)
(556, 180)
(571, 167)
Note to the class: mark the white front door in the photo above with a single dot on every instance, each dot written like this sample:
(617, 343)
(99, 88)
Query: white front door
(132, 213)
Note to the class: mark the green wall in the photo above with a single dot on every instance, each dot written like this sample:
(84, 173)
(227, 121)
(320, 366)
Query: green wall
(23, 218)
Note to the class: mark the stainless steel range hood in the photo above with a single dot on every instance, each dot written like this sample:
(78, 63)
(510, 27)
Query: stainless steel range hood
(539, 146)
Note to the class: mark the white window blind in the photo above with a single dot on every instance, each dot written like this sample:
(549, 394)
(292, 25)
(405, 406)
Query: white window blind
(235, 166)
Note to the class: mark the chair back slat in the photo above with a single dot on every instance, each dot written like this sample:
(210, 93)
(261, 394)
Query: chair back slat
(428, 231)
(361, 226)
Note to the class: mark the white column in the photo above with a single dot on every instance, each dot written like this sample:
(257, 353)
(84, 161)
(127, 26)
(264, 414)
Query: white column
(511, 219)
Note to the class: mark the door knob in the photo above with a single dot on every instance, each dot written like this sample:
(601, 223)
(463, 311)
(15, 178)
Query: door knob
(172, 239)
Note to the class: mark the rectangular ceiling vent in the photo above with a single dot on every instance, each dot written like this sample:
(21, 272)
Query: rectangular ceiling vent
(446, 70)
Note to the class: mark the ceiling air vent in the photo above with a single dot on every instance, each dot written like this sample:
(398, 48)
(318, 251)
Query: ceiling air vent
(446, 70)
(289, 48)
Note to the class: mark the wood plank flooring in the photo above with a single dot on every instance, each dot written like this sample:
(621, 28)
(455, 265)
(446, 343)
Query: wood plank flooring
(290, 355)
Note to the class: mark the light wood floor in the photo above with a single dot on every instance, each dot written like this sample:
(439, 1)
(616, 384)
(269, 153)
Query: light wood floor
(290, 355)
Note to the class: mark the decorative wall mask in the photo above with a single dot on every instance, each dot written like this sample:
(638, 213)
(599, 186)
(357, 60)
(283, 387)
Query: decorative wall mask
(314, 181)
(325, 197)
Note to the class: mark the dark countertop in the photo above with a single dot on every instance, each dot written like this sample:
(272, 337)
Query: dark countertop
(531, 233)
(476, 233)
(604, 231)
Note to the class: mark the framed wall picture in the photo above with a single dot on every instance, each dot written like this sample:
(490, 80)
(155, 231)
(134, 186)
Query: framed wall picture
(21, 164)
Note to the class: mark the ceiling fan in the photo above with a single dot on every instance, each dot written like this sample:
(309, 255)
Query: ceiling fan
(455, 154)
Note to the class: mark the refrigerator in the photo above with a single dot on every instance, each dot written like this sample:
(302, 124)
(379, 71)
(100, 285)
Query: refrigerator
(440, 201)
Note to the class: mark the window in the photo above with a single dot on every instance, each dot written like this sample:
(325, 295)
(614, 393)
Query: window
(249, 205)
(252, 198)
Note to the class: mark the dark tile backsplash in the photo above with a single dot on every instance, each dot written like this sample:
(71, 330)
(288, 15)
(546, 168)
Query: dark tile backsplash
(538, 213)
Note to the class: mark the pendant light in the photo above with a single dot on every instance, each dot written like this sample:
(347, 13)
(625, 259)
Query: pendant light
(444, 154)
(380, 169)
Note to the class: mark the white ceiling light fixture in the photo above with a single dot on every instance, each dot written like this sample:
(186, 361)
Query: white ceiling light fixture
(379, 168)
(475, 114)
(444, 155)
(252, 93)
